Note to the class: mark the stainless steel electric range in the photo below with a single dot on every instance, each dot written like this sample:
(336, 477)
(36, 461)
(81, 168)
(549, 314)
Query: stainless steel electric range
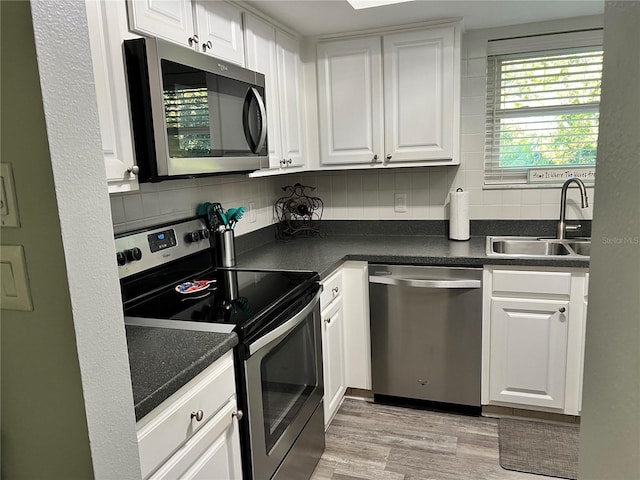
(169, 280)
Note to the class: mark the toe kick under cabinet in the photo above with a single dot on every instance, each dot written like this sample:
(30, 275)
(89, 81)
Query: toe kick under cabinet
(533, 338)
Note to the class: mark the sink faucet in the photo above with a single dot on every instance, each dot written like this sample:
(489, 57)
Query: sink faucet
(562, 226)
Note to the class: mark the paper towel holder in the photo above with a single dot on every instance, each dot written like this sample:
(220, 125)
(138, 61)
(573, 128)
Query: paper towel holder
(458, 228)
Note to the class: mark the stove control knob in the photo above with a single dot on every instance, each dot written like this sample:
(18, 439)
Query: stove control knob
(193, 236)
(204, 233)
(134, 254)
(122, 258)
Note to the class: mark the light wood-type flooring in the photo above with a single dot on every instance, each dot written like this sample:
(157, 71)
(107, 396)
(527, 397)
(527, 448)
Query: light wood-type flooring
(368, 441)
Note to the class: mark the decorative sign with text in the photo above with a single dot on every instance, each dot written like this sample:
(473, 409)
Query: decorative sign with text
(560, 175)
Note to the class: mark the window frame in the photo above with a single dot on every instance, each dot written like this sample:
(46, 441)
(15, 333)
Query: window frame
(528, 47)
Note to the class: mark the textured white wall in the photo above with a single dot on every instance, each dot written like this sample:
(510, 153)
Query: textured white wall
(68, 93)
(610, 429)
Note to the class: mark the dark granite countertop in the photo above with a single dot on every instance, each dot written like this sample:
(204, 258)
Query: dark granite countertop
(162, 360)
(324, 254)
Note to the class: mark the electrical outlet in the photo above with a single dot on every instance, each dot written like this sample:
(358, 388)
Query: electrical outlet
(400, 203)
(253, 215)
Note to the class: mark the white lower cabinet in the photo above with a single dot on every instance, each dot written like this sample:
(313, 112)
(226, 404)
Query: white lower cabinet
(533, 330)
(346, 345)
(194, 433)
(332, 345)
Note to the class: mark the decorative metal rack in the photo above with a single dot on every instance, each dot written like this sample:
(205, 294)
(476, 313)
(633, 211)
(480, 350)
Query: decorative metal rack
(297, 213)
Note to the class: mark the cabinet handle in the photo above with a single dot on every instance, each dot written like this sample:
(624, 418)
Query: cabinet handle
(133, 170)
(289, 161)
(208, 45)
(327, 320)
(562, 309)
(389, 157)
(238, 415)
(375, 157)
(199, 415)
(193, 40)
(283, 162)
(335, 291)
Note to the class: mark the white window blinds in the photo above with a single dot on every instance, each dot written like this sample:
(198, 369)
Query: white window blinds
(542, 107)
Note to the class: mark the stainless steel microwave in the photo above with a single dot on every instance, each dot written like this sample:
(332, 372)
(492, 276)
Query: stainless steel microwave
(192, 114)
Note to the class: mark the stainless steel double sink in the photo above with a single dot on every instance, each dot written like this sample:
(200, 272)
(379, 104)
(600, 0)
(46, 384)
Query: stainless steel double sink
(538, 247)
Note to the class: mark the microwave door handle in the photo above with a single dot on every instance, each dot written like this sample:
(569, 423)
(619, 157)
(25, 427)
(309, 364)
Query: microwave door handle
(253, 93)
(263, 120)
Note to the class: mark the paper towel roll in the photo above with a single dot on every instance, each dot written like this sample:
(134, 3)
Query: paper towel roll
(459, 215)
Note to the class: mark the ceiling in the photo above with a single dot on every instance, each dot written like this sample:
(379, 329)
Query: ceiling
(316, 17)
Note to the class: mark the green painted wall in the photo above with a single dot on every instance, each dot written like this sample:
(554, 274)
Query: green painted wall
(44, 430)
(610, 427)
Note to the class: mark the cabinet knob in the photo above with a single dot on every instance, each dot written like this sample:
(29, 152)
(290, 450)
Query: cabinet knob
(283, 162)
(389, 157)
(327, 320)
(375, 157)
(238, 415)
(208, 45)
(289, 161)
(562, 309)
(133, 170)
(199, 415)
(335, 291)
(193, 40)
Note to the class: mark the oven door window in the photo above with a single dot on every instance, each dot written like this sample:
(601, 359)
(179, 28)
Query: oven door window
(209, 115)
(289, 376)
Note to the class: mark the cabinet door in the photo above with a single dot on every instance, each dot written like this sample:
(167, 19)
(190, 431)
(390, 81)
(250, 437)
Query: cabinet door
(290, 95)
(333, 359)
(419, 95)
(107, 24)
(528, 359)
(168, 19)
(220, 30)
(350, 101)
(213, 452)
(261, 57)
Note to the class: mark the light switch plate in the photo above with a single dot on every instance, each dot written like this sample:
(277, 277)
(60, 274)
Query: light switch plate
(14, 283)
(400, 203)
(8, 203)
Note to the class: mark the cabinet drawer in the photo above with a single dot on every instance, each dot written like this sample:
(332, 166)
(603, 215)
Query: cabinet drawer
(332, 288)
(213, 452)
(168, 426)
(525, 281)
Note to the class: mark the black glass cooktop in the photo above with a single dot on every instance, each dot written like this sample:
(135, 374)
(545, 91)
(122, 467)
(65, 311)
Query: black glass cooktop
(242, 299)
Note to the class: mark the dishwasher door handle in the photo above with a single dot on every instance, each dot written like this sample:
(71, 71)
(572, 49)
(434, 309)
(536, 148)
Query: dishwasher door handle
(410, 282)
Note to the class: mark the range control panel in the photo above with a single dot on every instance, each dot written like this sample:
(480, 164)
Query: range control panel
(141, 250)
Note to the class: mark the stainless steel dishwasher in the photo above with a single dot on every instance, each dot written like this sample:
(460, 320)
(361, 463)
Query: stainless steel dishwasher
(426, 333)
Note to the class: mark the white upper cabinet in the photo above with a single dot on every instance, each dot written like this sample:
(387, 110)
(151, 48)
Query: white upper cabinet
(261, 56)
(107, 23)
(412, 120)
(290, 94)
(350, 101)
(419, 87)
(220, 30)
(168, 19)
(214, 27)
(276, 55)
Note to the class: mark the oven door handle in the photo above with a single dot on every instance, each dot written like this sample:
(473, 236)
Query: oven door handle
(286, 327)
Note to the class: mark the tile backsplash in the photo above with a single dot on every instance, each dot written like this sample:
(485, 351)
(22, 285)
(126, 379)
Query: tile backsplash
(365, 194)
(176, 199)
